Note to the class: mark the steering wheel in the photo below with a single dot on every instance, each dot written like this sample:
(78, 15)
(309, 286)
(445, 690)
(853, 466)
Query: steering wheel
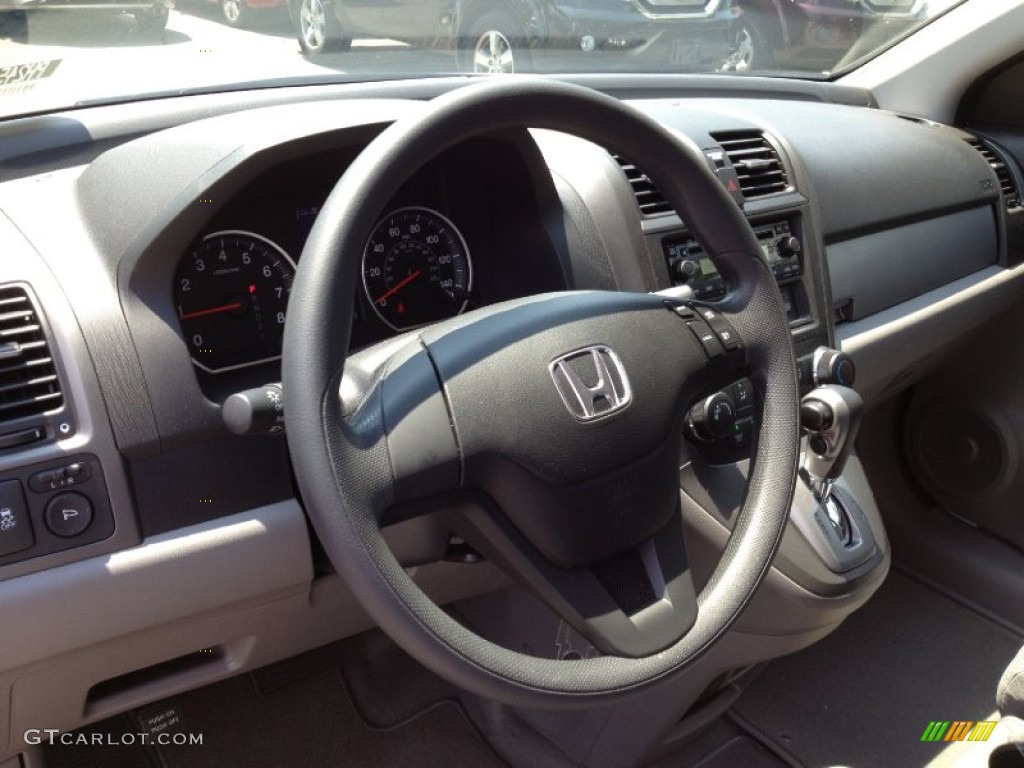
(547, 428)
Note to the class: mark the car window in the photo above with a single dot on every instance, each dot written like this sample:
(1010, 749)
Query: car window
(61, 53)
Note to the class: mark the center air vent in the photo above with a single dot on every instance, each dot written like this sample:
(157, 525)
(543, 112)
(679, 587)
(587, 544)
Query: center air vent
(1011, 198)
(757, 164)
(648, 197)
(28, 377)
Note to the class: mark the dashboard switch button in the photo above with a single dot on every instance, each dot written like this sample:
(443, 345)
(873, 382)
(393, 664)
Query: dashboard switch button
(46, 480)
(15, 526)
(76, 471)
(68, 514)
(56, 478)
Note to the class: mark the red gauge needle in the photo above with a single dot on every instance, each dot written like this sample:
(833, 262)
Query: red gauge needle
(398, 286)
(212, 310)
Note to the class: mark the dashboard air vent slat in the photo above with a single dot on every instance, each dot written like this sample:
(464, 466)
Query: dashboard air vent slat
(1008, 188)
(756, 162)
(648, 197)
(29, 385)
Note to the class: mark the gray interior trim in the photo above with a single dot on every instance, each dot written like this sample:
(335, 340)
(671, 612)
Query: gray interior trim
(243, 557)
(896, 347)
(878, 270)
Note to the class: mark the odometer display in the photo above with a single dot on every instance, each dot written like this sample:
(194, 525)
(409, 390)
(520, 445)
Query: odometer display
(416, 268)
(231, 294)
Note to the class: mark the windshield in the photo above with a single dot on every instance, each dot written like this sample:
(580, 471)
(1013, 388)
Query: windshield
(61, 53)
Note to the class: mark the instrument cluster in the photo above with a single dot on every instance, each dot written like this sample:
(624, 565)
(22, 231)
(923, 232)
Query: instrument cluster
(451, 240)
(231, 291)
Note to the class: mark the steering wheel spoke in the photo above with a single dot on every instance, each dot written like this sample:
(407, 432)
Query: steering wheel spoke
(632, 603)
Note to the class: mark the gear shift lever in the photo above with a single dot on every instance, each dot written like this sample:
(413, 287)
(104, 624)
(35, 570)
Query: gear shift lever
(831, 416)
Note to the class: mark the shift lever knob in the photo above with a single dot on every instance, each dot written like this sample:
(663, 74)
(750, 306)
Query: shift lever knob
(831, 416)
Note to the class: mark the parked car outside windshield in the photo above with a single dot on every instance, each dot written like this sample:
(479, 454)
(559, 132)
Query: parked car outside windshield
(66, 53)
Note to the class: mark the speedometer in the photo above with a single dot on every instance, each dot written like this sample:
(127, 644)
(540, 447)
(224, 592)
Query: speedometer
(232, 293)
(416, 268)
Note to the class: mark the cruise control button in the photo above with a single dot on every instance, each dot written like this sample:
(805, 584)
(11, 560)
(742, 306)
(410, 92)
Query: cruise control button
(68, 514)
(15, 526)
(722, 328)
(707, 338)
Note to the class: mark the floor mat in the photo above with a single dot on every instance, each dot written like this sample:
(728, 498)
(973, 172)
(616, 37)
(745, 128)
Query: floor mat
(722, 745)
(864, 696)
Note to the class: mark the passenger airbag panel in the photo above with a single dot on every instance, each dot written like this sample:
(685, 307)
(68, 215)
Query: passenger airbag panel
(880, 270)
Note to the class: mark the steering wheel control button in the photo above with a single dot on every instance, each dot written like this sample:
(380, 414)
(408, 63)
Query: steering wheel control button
(721, 416)
(59, 478)
(685, 311)
(707, 338)
(742, 394)
(68, 514)
(721, 327)
(742, 431)
(15, 527)
(711, 419)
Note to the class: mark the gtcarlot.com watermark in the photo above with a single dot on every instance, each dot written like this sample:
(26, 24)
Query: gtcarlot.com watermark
(51, 736)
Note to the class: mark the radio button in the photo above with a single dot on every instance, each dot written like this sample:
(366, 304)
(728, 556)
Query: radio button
(685, 269)
(788, 246)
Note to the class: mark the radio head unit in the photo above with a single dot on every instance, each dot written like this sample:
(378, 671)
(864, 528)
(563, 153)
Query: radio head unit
(689, 265)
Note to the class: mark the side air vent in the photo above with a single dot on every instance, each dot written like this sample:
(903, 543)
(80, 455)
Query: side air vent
(1011, 198)
(648, 197)
(29, 385)
(757, 164)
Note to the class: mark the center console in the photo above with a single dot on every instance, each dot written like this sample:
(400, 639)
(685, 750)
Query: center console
(834, 553)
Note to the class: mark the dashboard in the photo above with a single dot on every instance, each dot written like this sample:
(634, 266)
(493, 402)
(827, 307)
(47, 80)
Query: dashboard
(157, 260)
(201, 256)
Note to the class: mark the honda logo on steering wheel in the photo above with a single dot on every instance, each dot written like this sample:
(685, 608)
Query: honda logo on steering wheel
(592, 382)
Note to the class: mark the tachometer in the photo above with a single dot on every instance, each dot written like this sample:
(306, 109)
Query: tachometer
(232, 295)
(416, 268)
